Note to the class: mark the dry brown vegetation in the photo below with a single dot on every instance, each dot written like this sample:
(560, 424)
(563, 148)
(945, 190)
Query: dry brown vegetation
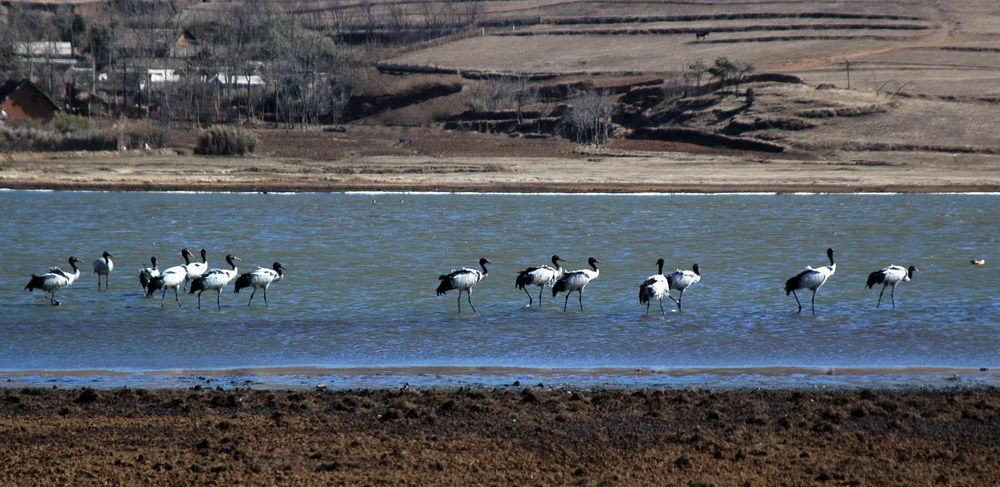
(508, 436)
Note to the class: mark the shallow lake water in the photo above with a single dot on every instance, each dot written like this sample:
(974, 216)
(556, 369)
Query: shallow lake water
(357, 306)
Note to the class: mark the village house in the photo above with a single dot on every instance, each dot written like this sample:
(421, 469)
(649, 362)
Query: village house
(22, 99)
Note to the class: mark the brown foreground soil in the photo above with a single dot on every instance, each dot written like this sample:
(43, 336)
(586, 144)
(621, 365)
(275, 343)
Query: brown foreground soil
(507, 436)
(364, 158)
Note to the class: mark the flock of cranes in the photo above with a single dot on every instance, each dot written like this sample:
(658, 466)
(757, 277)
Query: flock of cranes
(656, 287)
(152, 279)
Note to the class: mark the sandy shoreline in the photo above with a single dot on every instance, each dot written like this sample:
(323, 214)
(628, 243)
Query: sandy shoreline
(607, 172)
(500, 436)
(346, 378)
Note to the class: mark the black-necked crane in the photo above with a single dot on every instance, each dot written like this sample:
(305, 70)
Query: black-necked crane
(170, 278)
(463, 280)
(576, 281)
(215, 280)
(890, 276)
(540, 276)
(680, 280)
(654, 287)
(811, 279)
(197, 269)
(54, 280)
(262, 278)
(103, 267)
(147, 274)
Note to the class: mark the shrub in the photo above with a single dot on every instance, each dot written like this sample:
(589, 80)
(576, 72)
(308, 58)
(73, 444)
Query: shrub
(67, 123)
(134, 134)
(21, 123)
(226, 141)
(28, 140)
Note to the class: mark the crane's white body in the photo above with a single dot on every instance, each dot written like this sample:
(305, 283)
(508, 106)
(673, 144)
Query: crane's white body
(170, 278)
(197, 269)
(654, 287)
(811, 279)
(54, 280)
(540, 276)
(103, 267)
(890, 276)
(463, 280)
(680, 280)
(576, 281)
(215, 280)
(262, 278)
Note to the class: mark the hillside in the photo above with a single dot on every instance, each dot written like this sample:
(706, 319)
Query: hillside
(887, 84)
(922, 79)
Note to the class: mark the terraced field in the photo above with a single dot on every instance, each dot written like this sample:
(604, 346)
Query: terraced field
(929, 47)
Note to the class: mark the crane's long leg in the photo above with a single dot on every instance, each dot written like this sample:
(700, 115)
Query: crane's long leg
(470, 299)
(647, 308)
(880, 297)
(539, 295)
(797, 300)
(565, 302)
(251, 296)
(814, 302)
(892, 295)
(265, 296)
(218, 297)
(529, 296)
(199, 300)
(459, 301)
(661, 307)
(179, 301)
(680, 300)
(163, 296)
(579, 294)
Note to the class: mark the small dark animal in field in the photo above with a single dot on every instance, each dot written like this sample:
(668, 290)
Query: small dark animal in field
(701, 35)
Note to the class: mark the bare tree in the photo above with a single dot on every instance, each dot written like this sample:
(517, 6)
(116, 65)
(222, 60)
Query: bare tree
(370, 17)
(526, 94)
(494, 94)
(398, 22)
(730, 71)
(435, 17)
(697, 71)
(590, 115)
(467, 13)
